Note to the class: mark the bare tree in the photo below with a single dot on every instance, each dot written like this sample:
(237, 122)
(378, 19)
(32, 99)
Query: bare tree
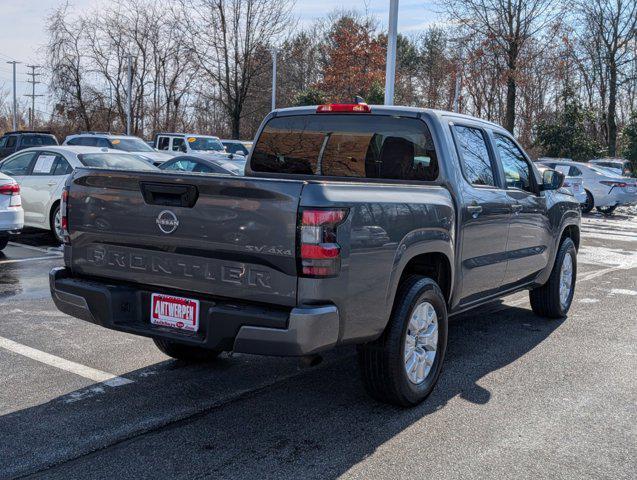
(612, 26)
(509, 24)
(228, 39)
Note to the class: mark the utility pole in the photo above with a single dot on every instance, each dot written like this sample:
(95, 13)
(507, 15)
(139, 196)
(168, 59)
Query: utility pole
(129, 93)
(15, 103)
(33, 81)
(390, 68)
(274, 52)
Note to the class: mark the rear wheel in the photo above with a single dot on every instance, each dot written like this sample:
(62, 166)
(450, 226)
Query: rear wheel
(3, 242)
(55, 222)
(554, 298)
(187, 353)
(588, 205)
(403, 365)
(607, 210)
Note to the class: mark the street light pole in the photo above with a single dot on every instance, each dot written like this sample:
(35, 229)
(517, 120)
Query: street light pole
(15, 102)
(390, 69)
(274, 51)
(129, 94)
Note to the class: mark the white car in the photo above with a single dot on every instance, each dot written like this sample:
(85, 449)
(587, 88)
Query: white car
(42, 171)
(604, 190)
(123, 143)
(574, 185)
(11, 213)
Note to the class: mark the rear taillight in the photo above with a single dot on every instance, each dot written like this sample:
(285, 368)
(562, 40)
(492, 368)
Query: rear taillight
(12, 190)
(614, 184)
(64, 215)
(344, 108)
(320, 254)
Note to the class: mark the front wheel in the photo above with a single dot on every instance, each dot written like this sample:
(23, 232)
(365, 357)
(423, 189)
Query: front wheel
(4, 241)
(607, 210)
(588, 205)
(186, 353)
(403, 365)
(554, 298)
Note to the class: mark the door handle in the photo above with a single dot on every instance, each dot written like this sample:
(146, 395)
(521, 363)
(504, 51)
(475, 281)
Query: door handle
(516, 208)
(50, 184)
(474, 210)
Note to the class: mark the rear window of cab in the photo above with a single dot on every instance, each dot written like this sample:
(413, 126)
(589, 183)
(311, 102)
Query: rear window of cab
(349, 145)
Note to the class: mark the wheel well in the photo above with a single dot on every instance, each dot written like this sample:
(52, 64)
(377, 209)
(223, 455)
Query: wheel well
(434, 265)
(571, 232)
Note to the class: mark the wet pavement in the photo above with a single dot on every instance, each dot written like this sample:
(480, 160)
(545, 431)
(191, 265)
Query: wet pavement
(520, 396)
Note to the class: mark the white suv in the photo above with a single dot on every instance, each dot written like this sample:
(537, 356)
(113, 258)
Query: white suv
(125, 143)
(11, 214)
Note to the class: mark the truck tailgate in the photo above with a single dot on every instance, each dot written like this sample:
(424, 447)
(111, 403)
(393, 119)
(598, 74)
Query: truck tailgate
(225, 236)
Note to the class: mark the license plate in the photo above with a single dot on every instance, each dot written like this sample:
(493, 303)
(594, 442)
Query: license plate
(175, 312)
(631, 189)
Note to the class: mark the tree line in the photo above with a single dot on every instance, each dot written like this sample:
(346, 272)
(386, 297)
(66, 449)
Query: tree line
(560, 74)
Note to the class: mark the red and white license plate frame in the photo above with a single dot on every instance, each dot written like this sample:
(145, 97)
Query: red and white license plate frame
(175, 312)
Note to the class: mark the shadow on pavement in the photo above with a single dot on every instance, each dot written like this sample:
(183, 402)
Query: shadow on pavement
(317, 424)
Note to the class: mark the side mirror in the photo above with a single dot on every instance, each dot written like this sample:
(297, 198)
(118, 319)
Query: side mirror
(182, 148)
(552, 179)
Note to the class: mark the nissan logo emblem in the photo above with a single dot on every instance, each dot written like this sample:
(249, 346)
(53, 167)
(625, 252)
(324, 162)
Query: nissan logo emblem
(167, 221)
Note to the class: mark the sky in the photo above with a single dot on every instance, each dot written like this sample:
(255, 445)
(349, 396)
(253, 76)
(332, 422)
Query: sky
(22, 36)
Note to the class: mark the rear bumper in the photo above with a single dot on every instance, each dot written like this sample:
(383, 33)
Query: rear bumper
(11, 220)
(224, 324)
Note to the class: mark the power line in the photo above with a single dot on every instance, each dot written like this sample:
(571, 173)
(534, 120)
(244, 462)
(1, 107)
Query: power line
(33, 74)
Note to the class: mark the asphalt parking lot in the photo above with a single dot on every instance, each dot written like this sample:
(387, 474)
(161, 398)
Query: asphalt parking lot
(520, 396)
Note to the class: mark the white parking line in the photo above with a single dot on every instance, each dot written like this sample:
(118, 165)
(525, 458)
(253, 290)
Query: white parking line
(582, 278)
(51, 250)
(63, 364)
(21, 260)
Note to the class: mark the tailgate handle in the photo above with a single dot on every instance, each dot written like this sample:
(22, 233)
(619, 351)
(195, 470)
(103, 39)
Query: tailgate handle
(169, 195)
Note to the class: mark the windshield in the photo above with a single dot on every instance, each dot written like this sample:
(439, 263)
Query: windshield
(117, 161)
(131, 145)
(205, 143)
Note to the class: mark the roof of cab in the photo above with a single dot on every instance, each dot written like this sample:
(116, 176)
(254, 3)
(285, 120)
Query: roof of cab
(390, 110)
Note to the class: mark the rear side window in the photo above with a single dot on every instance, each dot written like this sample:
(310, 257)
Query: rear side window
(11, 141)
(163, 143)
(37, 140)
(360, 146)
(474, 154)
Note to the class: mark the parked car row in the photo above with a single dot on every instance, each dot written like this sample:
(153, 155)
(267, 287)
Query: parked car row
(595, 186)
(164, 147)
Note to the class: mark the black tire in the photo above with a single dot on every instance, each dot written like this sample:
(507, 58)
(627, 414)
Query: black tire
(381, 362)
(3, 242)
(54, 234)
(589, 204)
(545, 300)
(186, 353)
(607, 210)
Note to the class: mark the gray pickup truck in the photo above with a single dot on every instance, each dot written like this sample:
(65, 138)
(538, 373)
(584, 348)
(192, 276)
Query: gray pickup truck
(353, 225)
